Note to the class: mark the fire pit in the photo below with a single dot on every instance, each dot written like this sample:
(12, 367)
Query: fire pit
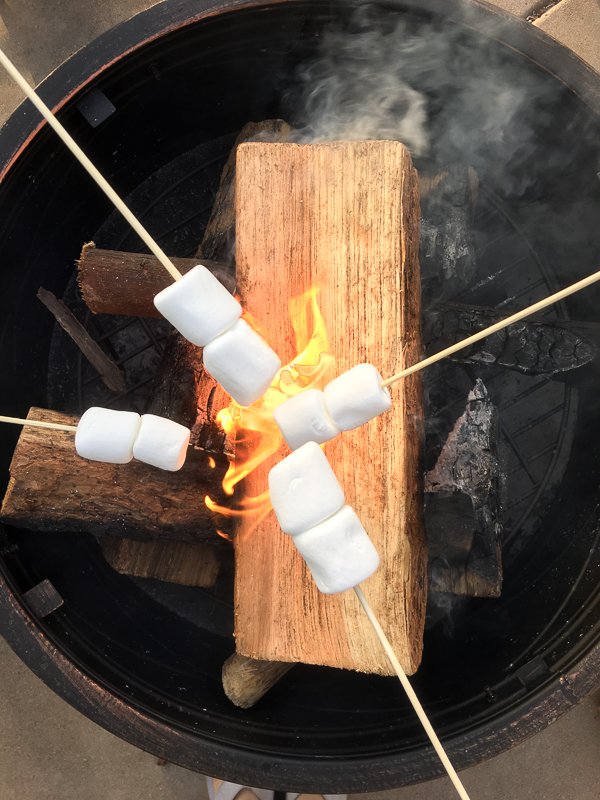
(145, 659)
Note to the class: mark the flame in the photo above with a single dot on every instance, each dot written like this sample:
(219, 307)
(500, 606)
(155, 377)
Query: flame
(257, 434)
(211, 462)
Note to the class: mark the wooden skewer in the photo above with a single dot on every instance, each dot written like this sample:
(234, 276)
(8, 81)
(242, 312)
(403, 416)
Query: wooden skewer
(411, 695)
(37, 424)
(498, 326)
(91, 169)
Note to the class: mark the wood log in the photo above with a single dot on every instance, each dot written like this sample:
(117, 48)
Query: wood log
(112, 282)
(345, 217)
(183, 391)
(52, 489)
(246, 680)
(175, 562)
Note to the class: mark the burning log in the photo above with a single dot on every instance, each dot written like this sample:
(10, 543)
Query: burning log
(52, 489)
(183, 391)
(465, 544)
(322, 216)
(532, 346)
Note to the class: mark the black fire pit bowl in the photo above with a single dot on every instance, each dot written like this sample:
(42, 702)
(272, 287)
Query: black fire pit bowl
(145, 661)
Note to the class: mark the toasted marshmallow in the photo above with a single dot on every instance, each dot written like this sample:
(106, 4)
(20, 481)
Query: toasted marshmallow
(241, 362)
(304, 490)
(161, 442)
(304, 418)
(199, 306)
(338, 552)
(356, 396)
(104, 434)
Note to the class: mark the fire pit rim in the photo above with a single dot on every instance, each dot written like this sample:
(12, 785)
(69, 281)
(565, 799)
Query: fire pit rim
(47, 659)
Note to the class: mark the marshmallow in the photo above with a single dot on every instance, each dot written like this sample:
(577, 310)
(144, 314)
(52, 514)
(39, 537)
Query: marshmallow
(338, 552)
(161, 442)
(241, 363)
(304, 490)
(104, 434)
(356, 397)
(198, 306)
(304, 418)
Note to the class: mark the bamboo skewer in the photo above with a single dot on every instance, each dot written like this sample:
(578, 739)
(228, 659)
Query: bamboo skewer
(91, 169)
(38, 424)
(498, 326)
(411, 695)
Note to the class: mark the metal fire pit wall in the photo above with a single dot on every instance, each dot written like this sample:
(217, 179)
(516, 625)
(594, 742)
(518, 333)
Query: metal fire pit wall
(145, 660)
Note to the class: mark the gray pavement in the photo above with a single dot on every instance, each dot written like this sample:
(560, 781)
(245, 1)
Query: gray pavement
(47, 749)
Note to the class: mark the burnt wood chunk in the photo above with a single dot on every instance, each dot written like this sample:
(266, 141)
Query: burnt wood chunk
(176, 562)
(111, 375)
(532, 346)
(113, 282)
(52, 489)
(246, 680)
(447, 248)
(43, 599)
(344, 217)
(464, 524)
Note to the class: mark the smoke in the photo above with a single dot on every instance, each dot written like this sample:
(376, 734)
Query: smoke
(450, 95)
(355, 91)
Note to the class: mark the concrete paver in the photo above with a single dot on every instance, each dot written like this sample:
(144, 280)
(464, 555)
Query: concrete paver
(520, 8)
(576, 24)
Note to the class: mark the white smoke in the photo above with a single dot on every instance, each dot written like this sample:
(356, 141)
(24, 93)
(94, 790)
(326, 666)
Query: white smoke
(449, 96)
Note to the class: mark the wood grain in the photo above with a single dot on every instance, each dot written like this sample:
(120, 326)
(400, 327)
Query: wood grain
(175, 562)
(345, 217)
(246, 680)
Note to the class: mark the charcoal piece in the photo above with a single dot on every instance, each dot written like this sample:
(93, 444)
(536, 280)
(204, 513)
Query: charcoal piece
(447, 248)
(531, 346)
(470, 466)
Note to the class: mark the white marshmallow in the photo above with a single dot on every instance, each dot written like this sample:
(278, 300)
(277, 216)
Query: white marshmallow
(356, 396)
(304, 418)
(304, 490)
(241, 362)
(162, 443)
(338, 552)
(104, 434)
(198, 306)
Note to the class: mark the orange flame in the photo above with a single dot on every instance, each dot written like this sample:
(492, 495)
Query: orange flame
(257, 434)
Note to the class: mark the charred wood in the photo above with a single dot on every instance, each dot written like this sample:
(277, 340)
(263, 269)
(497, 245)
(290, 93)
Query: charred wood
(446, 247)
(465, 542)
(531, 346)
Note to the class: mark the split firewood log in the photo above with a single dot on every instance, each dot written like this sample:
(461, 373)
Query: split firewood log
(51, 488)
(343, 217)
